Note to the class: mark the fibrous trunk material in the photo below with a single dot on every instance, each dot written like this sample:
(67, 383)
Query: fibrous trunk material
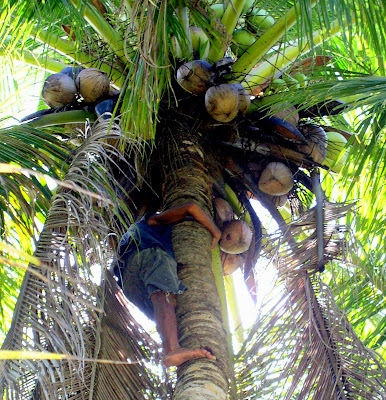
(199, 309)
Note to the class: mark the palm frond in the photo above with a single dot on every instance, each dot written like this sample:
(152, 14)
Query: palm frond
(61, 306)
(302, 344)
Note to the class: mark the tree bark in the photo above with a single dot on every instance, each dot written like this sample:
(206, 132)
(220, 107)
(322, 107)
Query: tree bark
(199, 310)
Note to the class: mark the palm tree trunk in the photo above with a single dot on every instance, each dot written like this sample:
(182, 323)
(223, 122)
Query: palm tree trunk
(199, 310)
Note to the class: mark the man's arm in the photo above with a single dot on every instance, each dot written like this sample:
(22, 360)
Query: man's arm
(176, 214)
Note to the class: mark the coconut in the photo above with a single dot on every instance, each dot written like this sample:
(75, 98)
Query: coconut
(92, 84)
(291, 82)
(218, 9)
(301, 78)
(247, 5)
(200, 42)
(279, 201)
(72, 72)
(231, 262)
(259, 19)
(223, 212)
(58, 90)
(222, 102)
(242, 39)
(175, 47)
(287, 113)
(195, 76)
(236, 237)
(245, 100)
(276, 179)
(278, 85)
(113, 92)
(335, 159)
(316, 142)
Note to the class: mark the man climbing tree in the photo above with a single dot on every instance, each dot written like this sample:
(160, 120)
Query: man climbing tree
(147, 273)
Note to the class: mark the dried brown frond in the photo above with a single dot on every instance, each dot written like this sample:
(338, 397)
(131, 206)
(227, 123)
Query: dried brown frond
(62, 307)
(302, 345)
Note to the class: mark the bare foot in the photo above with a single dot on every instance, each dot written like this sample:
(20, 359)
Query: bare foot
(179, 356)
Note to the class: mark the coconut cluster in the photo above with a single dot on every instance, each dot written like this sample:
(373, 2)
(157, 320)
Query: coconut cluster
(327, 148)
(222, 101)
(65, 87)
(236, 236)
(257, 21)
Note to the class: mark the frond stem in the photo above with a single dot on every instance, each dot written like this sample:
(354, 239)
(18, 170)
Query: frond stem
(183, 17)
(269, 38)
(65, 117)
(103, 28)
(75, 54)
(229, 20)
(268, 68)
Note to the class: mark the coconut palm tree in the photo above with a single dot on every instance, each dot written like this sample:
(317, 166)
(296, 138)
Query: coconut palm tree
(170, 131)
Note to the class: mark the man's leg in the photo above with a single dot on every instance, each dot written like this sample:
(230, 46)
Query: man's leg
(166, 322)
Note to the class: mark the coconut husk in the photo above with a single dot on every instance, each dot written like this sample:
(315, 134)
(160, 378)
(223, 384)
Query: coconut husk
(92, 84)
(195, 76)
(276, 179)
(231, 262)
(279, 201)
(245, 100)
(223, 212)
(316, 142)
(287, 113)
(58, 90)
(222, 102)
(236, 237)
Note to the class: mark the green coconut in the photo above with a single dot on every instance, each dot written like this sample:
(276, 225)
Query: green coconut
(336, 156)
(200, 42)
(219, 9)
(301, 78)
(242, 40)
(259, 19)
(278, 85)
(247, 6)
(291, 82)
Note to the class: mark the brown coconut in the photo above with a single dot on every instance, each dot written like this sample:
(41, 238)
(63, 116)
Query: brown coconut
(316, 147)
(231, 262)
(195, 76)
(245, 100)
(58, 90)
(287, 113)
(236, 237)
(279, 201)
(223, 212)
(92, 84)
(276, 179)
(222, 102)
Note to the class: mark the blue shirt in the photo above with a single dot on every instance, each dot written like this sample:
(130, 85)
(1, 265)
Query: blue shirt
(141, 236)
